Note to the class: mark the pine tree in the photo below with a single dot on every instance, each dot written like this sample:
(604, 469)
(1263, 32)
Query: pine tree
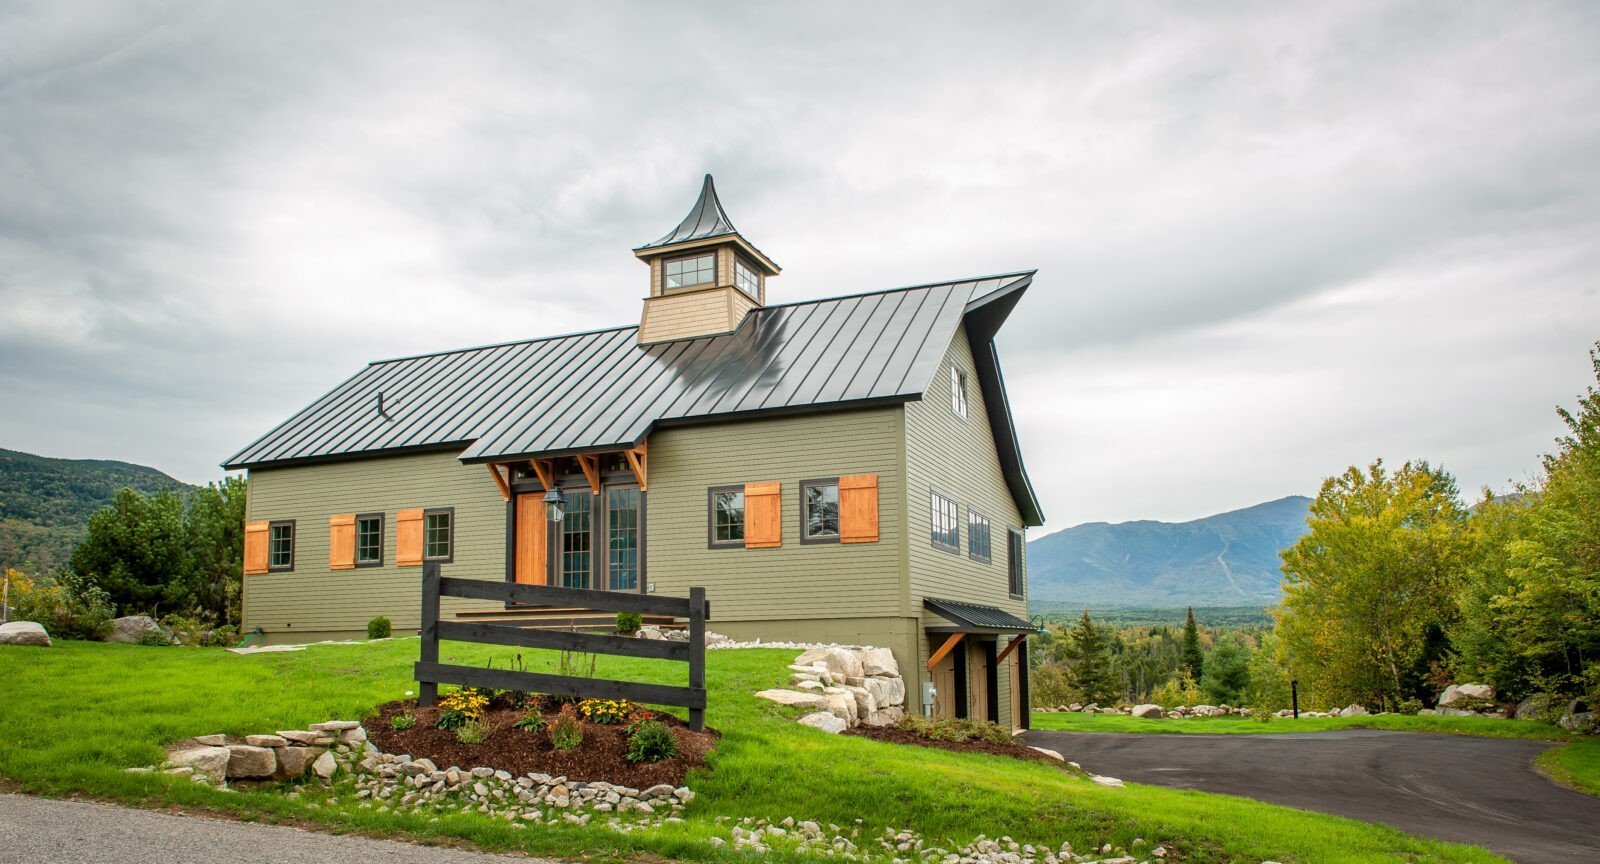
(1090, 672)
(1193, 661)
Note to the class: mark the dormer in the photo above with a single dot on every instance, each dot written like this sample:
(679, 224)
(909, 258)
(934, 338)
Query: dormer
(704, 276)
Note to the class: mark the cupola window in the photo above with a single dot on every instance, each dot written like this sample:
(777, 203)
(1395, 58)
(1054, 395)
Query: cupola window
(686, 272)
(745, 277)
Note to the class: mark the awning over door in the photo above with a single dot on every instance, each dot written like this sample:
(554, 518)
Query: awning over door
(975, 617)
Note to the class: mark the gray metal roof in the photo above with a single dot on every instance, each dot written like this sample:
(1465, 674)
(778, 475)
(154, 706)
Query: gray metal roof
(601, 390)
(706, 219)
(975, 616)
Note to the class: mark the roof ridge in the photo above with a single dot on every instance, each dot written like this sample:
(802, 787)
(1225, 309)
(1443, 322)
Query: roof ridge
(859, 294)
(505, 344)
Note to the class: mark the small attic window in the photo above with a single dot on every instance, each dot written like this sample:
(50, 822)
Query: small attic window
(745, 277)
(686, 272)
(958, 392)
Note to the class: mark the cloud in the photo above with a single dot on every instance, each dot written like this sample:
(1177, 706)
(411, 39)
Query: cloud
(1271, 241)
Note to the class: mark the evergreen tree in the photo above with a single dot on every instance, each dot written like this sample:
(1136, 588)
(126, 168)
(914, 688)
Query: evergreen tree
(1227, 672)
(1090, 674)
(1193, 661)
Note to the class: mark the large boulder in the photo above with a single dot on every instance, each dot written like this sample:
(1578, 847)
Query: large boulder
(842, 662)
(843, 704)
(129, 628)
(1581, 721)
(251, 762)
(1467, 696)
(885, 716)
(886, 691)
(865, 703)
(24, 633)
(1539, 706)
(879, 661)
(1353, 710)
(1152, 712)
(825, 721)
(787, 697)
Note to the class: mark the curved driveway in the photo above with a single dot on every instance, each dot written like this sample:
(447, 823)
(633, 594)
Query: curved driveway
(1453, 787)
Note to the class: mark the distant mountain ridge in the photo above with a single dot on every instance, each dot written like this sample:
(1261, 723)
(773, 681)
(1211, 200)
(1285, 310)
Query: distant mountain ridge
(1230, 559)
(45, 503)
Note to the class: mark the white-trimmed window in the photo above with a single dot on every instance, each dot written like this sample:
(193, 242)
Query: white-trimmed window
(958, 392)
(688, 272)
(746, 278)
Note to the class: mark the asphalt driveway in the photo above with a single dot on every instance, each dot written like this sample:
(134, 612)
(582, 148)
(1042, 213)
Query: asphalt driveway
(1453, 787)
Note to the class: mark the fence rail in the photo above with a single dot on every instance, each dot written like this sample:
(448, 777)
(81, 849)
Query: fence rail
(430, 673)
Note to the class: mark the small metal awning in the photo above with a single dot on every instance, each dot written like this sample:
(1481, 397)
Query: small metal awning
(975, 617)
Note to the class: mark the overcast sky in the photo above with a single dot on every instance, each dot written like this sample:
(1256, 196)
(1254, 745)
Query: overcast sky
(1271, 241)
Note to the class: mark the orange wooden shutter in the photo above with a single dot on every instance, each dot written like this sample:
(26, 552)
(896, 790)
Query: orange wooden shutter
(858, 509)
(255, 546)
(342, 541)
(408, 538)
(763, 515)
(532, 531)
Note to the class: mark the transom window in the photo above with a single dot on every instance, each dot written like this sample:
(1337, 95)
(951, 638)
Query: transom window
(280, 546)
(438, 534)
(727, 516)
(977, 536)
(684, 272)
(369, 540)
(819, 511)
(746, 278)
(945, 515)
(958, 392)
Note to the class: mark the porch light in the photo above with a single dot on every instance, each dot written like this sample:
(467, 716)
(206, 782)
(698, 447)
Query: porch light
(555, 504)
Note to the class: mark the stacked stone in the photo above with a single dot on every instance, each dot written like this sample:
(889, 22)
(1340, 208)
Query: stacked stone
(846, 687)
(286, 755)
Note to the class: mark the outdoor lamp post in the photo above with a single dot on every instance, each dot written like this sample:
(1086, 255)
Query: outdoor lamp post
(555, 504)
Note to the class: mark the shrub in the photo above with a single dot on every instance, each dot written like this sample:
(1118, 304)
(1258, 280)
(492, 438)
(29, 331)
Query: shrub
(378, 628)
(651, 741)
(628, 623)
(157, 638)
(198, 628)
(956, 729)
(607, 711)
(69, 606)
(566, 733)
(402, 722)
(450, 718)
(1409, 706)
(532, 721)
(475, 731)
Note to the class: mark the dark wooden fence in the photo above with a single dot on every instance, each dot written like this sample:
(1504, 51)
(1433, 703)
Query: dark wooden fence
(430, 673)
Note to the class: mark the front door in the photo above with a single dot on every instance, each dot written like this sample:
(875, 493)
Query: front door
(533, 534)
(622, 537)
(599, 543)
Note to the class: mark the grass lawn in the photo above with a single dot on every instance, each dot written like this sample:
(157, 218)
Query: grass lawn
(1576, 765)
(74, 716)
(1487, 727)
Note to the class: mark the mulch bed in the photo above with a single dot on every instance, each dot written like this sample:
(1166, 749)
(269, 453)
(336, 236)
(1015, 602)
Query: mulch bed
(898, 735)
(601, 756)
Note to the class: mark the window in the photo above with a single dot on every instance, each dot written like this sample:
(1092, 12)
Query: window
(727, 516)
(686, 272)
(819, 511)
(746, 278)
(577, 538)
(977, 536)
(369, 540)
(1016, 562)
(946, 522)
(958, 392)
(622, 539)
(438, 534)
(280, 545)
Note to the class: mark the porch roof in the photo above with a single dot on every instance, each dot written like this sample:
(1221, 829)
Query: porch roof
(976, 617)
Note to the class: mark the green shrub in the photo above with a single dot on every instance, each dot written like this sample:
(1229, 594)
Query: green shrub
(650, 741)
(956, 729)
(628, 623)
(475, 731)
(156, 638)
(1409, 706)
(68, 606)
(402, 722)
(532, 721)
(378, 628)
(566, 733)
(451, 718)
(198, 628)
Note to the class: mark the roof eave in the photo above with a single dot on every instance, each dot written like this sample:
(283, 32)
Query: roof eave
(983, 319)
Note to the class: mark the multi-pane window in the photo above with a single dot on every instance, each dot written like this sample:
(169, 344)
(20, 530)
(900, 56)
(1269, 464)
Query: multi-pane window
(727, 516)
(369, 540)
(977, 536)
(1016, 562)
(622, 539)
(438, 535)
(958, 392)
(946, 521)
(746, 278)
(684, 272)
(280, 546)
(577, 540)
(819, 510)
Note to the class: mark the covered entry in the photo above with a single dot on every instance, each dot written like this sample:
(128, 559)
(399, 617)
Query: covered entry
(970, 656)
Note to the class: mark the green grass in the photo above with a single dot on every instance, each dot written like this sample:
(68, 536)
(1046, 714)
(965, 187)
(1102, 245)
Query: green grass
(1576, 765)
(1486, 727)
(76, 715)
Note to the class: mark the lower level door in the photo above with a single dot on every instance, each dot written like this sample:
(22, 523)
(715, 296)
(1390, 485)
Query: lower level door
(533, 531)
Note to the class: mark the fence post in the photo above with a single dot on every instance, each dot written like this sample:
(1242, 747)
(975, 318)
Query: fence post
(428, 691)
(697, 653)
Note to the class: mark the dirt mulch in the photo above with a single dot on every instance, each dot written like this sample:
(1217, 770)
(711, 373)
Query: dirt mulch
(601, 756)
(898, 735)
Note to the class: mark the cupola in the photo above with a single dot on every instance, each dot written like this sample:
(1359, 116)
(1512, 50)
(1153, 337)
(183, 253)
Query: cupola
(704, 276)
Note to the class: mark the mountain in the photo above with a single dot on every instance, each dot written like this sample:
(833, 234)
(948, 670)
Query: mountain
(45, 503)
(1230, 559)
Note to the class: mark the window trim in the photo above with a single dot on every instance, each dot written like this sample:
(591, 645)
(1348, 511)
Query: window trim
(1016, 564)
(435, 511)
(294, 536)
(805, 523)
(378, 516)
(988, 537)
(959, 402)
(697, 286)
(933, 493)
(740, 262)
(711, 517)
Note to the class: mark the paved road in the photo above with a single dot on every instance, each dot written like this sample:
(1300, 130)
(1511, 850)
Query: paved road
(1453, 787)
(45, 831)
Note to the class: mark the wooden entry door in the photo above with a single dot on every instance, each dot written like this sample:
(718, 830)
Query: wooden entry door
(533, 535)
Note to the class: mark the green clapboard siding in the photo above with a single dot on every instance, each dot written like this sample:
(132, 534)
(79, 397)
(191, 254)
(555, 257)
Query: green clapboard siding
(315, 599)
(796, 581)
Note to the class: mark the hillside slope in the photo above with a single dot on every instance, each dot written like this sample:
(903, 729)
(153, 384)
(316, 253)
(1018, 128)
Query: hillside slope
(45, 503)
(1229, 559)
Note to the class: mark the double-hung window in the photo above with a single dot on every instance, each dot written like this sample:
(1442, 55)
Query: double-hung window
(688, 272)
(977, 536)
(280, 546)
(438, 534)
(958, 392)
(726, 516)
(945, 516)
(369, 540)
(819, 511)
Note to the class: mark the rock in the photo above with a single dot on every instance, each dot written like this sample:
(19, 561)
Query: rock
(1466, 696)
(1353, 710)
(878, 661)
(353, 736)
(128, 629)
(886, 691)
(24, 633)
(1148, 711)
(1105, 781)
(1581, 721)
(650, 633)
(204, 760)
(841, 662)
(325, 766)
(865, 704)
(266, 740)
(677, 636)
(211, 740)
(795, 698)
(335, 726)
(885, 716)
(825, 721)
(843, 706)
(809, 685)
(293, 761)
(1051, 753)
(251, 762)
(1539, 706)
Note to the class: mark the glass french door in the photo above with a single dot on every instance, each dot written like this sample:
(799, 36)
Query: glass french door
(601, 540)
(622, 538)
(577, 541)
